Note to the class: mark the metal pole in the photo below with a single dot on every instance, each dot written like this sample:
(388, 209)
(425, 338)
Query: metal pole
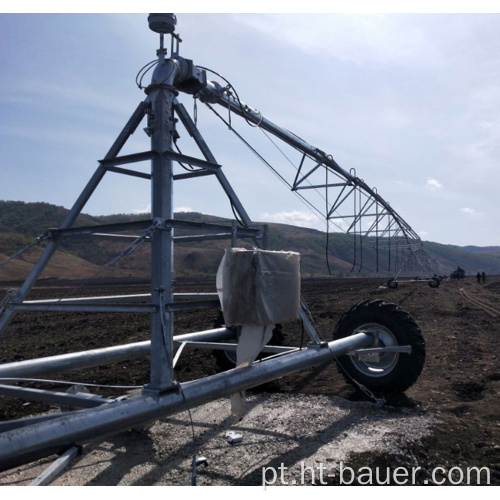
(127, 131)
(162, 262)
(97, 357)
(26, 444)
(198, 138)
(213, 92)
(49, 474)
(80, 400)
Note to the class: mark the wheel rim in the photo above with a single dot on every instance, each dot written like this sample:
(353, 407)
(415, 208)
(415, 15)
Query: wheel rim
(387, 361)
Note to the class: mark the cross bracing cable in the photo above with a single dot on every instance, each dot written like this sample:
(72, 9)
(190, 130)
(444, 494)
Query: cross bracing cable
(37, 241)
(359, 207)
(228, 97)
(214, 93)
(282, 179)
(243, 111)
(307, 203)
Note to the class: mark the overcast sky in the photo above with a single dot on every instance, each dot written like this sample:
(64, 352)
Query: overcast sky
(410, 101)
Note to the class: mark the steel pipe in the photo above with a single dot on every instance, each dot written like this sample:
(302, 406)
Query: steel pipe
(109, 228)
(96, 357)
(30, 443)
(214, 93)
(209, 226)
(86, 300)
(48, 475)
(141, 297)
(80, 400)
(88, 307)
(72, 215)
(127, 159)
(8, 425)
(274, 349)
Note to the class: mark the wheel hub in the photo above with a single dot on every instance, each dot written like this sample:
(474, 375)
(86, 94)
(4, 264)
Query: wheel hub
(379, 364)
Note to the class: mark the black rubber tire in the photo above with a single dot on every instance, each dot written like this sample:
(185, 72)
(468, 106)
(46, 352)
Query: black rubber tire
(226, 360)
(392, 283)
(434, 282)
(396, 326)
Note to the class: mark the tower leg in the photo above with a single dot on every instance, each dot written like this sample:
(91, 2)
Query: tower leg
(162, 125)
(127, 131)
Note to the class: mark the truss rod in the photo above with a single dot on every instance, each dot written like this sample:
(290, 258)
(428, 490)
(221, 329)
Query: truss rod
(144, 224)
(318, 186)
(190, 175)
(126, 171)
(127, 159)
(195, 134)
(215, 93)
(96, 357)
(80, 203)
(80, 400)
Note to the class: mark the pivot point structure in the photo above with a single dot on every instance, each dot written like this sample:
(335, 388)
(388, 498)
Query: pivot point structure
(374, 341)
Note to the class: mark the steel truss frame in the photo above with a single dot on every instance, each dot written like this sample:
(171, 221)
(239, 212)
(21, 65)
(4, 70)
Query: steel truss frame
(29, 439)
(370, 219)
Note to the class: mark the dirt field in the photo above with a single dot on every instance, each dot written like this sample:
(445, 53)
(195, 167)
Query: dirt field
(458, 392)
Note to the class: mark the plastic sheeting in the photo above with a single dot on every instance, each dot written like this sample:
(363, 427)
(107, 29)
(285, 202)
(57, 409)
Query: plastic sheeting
(259, 287)
(250, 342)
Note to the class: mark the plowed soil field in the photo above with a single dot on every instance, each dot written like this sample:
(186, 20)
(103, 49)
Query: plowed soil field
(459, 389)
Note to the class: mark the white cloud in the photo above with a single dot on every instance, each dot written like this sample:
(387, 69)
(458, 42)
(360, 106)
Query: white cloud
(360, 39)
(295, 218)
(145, 210)
(486, 125)
(433, 184)
(415, 99)
(470, 212)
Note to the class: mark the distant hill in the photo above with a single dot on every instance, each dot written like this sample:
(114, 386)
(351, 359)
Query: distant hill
(449, 257)
(485, 250)
(83, 257)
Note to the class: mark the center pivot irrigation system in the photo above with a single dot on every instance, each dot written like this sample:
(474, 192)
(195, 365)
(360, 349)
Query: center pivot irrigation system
(378, 346)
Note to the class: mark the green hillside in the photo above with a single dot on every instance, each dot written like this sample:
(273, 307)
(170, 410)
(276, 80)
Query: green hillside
(84, 256)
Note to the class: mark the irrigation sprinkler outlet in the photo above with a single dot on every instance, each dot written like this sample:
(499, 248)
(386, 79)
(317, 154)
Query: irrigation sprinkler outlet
(383, 332)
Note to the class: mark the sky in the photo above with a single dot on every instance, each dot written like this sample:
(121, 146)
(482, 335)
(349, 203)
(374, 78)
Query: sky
(410, 101)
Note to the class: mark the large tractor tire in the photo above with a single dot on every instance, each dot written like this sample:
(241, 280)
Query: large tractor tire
(434, 282)
(392, 283)
(391, 372)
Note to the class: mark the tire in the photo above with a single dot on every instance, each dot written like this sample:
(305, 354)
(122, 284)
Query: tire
(434, 282)
(226, 360)
(392, 283)
(393, 372)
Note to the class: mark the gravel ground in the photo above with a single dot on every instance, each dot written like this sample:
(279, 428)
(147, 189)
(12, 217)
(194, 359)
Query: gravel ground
(291, 430)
